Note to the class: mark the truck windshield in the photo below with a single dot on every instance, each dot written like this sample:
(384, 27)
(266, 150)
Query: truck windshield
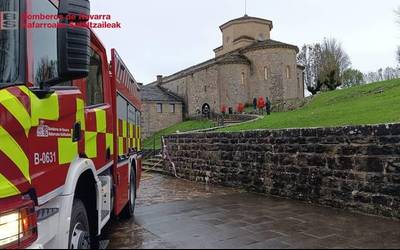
(9, 41)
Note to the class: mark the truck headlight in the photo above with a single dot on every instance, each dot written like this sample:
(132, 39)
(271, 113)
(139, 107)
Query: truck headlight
(18, 223)
(10, 228)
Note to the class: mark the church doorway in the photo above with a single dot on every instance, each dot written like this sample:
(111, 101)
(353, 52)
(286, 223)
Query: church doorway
(206, 110)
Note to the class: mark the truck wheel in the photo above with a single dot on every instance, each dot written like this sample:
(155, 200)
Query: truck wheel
(79, 232)
(129, 209)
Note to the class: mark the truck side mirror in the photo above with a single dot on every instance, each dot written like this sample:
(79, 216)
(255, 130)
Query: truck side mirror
(76, 10)
(73, 40)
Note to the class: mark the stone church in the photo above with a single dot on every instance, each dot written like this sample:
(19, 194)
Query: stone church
(249, 64)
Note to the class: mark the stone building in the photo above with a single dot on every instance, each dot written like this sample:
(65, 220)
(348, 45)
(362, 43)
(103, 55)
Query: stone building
(249, 64)
(160, 110)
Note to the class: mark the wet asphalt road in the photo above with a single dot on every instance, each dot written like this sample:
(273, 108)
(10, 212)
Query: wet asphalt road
(174, 213)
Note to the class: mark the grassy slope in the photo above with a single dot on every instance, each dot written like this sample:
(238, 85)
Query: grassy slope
(368, 104)
(181, 127)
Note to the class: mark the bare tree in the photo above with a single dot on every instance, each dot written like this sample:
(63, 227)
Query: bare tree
(398, 21)
(398, 54)
(310, 58)
(380, 74)
(390, 74)
(398, 14)
(371, 77)
(47, 70)
(334, 62)
(324, 65)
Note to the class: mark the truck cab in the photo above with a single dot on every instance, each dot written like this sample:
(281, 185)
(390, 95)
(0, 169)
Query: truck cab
(70, 144)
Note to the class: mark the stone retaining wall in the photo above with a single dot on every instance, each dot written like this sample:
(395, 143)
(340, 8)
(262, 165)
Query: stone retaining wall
(354, 168)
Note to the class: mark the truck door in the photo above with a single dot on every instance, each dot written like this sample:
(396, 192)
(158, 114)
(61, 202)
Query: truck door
(122, 194)
(52, 118)
(98, 126)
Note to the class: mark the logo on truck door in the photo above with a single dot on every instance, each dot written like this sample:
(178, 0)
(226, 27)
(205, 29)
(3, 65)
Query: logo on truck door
(8, 20)
(42, 131)
(46, 131)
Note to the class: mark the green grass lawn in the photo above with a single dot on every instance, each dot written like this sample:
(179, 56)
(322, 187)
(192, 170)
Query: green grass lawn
(368, 104)
(181, 127)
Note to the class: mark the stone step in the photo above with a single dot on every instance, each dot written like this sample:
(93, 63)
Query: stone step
(154, 159)
(146, 164)
(155, 170)
(153, 162)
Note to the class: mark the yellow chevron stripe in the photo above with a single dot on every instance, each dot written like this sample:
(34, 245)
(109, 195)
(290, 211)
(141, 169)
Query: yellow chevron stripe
(101, 121)
(80, 113)
(121, 146)
(25, 90)
(7, 189)
(91, 144)
(16, 108)
(118, 122)
(110, 142)
(44, 109)
(131, 134)
(124, 129)
(67, 150)
(13, 151)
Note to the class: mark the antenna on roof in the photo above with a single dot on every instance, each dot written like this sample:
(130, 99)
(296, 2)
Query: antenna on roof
(245, 7)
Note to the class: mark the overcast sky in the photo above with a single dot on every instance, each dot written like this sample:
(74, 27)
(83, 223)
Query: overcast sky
(165, 36)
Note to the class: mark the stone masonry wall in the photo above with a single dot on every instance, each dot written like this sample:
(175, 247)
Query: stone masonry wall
(278, 86)
(355, 168)
(221, 84)
(197, 89)
(152, 121)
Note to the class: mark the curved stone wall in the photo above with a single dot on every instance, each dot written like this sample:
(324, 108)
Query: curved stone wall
(278, 86)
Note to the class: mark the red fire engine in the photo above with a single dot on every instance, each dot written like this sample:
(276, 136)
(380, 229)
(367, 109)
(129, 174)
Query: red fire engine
(69, 129)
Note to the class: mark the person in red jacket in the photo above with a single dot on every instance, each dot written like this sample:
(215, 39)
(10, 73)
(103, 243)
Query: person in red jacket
(261, 104)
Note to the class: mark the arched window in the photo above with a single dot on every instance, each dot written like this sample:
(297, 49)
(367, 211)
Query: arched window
(288, 73)
(266, 73)
(298, 82)
(243, 78)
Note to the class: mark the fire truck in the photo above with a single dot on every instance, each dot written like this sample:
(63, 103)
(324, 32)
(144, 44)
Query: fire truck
(70, 145)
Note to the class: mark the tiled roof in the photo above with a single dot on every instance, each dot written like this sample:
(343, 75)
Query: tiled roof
(156, 93)
(270, 44)
(233, 56)
(245, 18)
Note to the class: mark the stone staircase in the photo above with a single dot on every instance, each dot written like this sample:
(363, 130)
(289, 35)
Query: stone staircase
(154, 164)
(230, 122)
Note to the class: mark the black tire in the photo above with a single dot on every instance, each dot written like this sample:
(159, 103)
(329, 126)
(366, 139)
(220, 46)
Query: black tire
(79, 222)
(129, 209)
